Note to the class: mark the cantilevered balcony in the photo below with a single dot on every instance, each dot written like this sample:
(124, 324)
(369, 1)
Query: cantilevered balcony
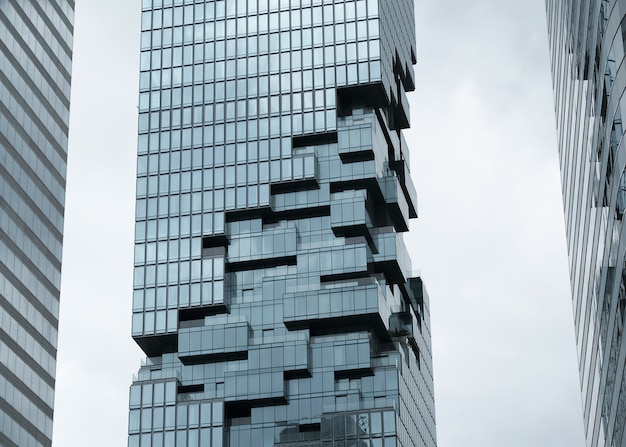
(396, 201)
(347, 307)
(349, 216)
(212, 343)
(392, 258)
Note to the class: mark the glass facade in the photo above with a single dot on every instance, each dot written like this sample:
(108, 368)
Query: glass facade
(35, 74)
(273, 293)
(588, 47)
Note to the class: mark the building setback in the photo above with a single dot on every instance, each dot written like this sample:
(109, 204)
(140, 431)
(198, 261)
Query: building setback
(587, 43)
(35, 75)
(273, 293)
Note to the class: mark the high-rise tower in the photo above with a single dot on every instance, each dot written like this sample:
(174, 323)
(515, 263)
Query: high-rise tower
(588, 45)
(273, 293)
(35, 75)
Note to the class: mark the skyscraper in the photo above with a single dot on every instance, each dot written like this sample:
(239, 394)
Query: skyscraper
(587, 42)
(35, 75)
(273, 293)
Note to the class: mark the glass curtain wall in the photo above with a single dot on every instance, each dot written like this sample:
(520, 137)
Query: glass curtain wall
(273, 293)
(587, 43)
(35, 75)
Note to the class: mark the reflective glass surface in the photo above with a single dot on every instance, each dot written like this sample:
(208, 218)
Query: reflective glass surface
(273, 293)
(35, 74)
(587, 42)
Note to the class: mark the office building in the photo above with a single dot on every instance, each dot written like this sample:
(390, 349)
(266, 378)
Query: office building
(35, 72)
(273, 293)
(587, 50)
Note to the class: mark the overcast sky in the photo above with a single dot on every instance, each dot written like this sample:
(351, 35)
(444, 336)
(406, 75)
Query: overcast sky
(489, 240)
